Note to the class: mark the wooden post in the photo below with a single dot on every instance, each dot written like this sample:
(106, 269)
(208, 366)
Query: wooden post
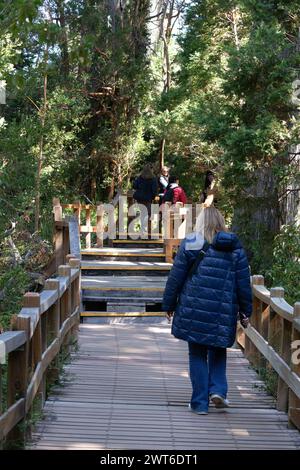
(249, 348)
(88, 224)
(57, 233)
(100, 224)
(65, 307)
(77, 211)
(294, 401)
(285, 353)
(130, 202)
(75, 292)
(258, 280)
(65, 302)
(274, 329)
(66, 243)
(168, 225)
(256, 317)
(69, 257)
(274, 320)
(53, 318)
(57, 210)
(54, 312)
(74, 263)
(265, 314)
(18, 379)
(33, 300)
(254, 354)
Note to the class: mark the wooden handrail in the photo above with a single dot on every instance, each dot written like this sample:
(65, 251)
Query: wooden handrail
(42, 327)
(272, 339)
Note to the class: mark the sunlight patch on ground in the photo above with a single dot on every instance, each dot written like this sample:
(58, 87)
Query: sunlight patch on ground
(85, 446)
(239, 432)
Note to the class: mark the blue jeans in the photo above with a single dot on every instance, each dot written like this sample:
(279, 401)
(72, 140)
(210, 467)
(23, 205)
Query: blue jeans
(207, 374)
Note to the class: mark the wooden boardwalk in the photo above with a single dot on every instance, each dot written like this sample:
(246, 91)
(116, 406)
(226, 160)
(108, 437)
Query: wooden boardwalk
(128, 388)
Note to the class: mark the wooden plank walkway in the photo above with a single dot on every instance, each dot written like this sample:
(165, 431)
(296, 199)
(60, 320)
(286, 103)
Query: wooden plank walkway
(128, 388)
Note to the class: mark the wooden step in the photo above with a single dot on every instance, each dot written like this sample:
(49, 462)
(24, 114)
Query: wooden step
(124, 268)
(130, 235)
(107, 287)
(122, 314)
(123, 252)
(133, 254)
(138, 243)
(113, 306)
(140, 283)
(108, 296)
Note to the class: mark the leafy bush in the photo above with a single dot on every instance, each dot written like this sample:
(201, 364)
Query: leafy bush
(285, 270)
(13, 285)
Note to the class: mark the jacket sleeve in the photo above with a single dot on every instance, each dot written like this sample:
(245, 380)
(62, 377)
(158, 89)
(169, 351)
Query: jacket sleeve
(183, 196)
(244, 291)
(135, 184)
(176, 195)
(154, 187)
(177, 277)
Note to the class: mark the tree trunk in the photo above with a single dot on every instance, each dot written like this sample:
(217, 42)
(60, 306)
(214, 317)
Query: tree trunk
(65, 62)
(42, 112)
(257, 216)
(162, 153)
(290, 194)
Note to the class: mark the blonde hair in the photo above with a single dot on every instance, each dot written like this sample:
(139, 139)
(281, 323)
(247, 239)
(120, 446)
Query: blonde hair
(209, 222)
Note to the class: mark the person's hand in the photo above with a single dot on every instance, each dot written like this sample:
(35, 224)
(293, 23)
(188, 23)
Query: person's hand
(169, 316)
(244, 320)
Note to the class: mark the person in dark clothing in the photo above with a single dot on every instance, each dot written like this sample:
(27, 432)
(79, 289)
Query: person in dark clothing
(174, 193)
(208, 194)
(146, 188)
(206, 304)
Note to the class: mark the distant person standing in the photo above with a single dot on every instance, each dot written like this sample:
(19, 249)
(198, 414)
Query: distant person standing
(163, 182)
(146, 189)
(208, 194)
(174, 193)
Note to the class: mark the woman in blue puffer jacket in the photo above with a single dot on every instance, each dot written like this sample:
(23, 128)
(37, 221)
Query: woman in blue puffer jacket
(207, 303)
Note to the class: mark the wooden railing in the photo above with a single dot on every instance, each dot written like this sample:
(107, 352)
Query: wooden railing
(91, 219)
(46, 324)
(176, 230)
(273, 340)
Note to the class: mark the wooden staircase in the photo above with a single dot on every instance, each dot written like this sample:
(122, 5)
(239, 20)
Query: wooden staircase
(126, 280)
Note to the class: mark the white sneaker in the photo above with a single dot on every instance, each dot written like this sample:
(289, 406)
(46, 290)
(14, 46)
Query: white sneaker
(197, 412)
(219, 401)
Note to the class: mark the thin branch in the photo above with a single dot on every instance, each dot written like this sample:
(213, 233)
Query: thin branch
(34, 104)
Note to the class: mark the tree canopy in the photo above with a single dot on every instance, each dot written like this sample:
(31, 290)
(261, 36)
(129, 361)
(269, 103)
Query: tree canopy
(97, 88)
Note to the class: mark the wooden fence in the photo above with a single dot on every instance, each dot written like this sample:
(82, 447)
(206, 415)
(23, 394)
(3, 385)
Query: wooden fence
(94, 220)
(45, 325)
(273, 339)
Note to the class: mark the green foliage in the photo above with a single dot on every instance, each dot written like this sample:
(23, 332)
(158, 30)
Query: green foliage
(285, 269)
(13, 285)
(231, 112)
(270, 378)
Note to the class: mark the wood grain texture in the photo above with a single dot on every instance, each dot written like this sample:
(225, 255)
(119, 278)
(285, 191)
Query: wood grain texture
(128, 388)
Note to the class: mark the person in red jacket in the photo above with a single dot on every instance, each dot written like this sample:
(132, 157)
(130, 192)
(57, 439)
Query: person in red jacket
(174, 193)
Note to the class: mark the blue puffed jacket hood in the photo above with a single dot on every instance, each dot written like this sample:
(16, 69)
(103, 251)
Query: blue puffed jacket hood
(225, 241)
(206, 304)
